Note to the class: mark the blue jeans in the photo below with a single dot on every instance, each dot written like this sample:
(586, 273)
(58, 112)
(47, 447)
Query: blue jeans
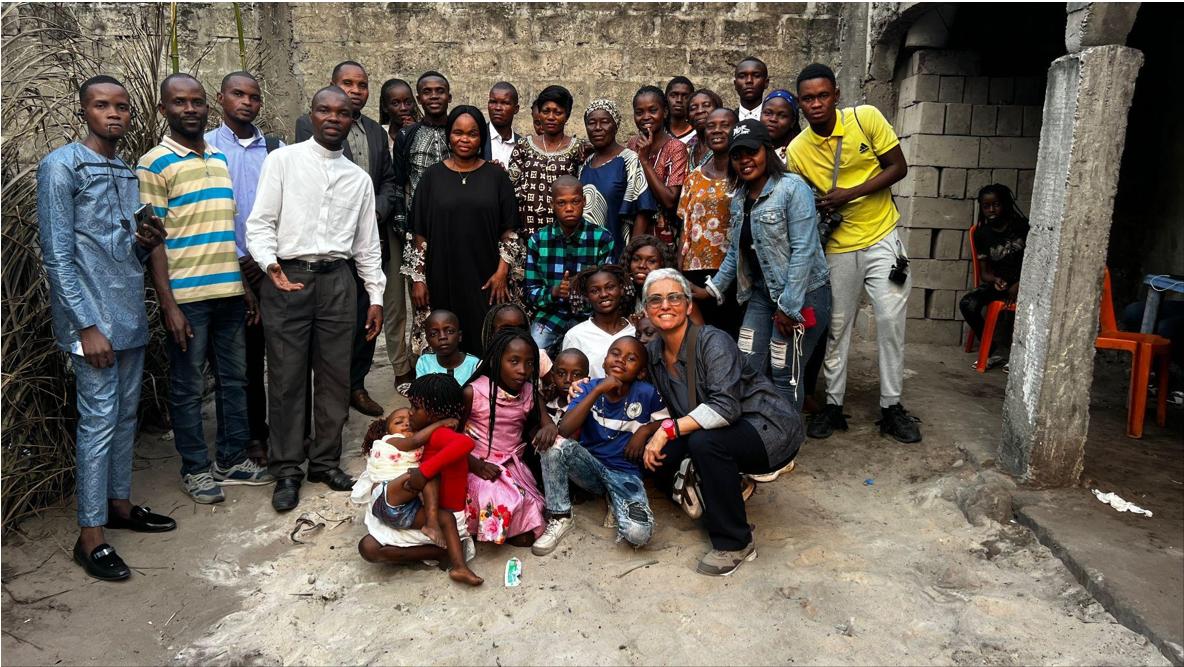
(566, 459)
(218, 334)
(770, 352)
(545, 337)
(108, 399)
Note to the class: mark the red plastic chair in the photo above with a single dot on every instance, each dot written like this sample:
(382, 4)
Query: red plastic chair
(991, 317)
(1144, 349)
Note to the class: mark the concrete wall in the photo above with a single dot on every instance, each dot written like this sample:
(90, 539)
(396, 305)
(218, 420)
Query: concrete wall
(594, 49)
(960, 130)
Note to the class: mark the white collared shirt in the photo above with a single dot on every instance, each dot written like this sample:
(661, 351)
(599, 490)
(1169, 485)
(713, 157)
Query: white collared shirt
(500, 149)
(313, 203)
(754, 114)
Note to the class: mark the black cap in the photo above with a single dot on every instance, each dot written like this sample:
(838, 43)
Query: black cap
(750, 134)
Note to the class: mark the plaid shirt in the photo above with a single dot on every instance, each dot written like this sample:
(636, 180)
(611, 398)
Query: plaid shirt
(550, 254)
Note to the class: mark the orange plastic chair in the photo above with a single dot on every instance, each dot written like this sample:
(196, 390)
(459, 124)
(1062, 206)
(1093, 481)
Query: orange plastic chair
(1144, 349)
(991, 317)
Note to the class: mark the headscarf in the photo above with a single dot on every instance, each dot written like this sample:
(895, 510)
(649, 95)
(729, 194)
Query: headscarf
(478, 117)
(785, 95)
(606, 105)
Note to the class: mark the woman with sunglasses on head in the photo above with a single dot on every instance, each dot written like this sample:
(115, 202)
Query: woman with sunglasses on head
(776, 261)
(726, 419)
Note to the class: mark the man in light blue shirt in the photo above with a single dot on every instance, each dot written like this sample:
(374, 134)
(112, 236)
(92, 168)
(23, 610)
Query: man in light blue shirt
(94, 255)
(245, 148)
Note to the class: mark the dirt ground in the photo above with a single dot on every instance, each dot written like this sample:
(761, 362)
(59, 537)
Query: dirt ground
(864, 558)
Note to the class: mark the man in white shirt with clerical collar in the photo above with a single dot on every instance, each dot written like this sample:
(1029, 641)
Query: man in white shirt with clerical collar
(751, 79)
(314, 210)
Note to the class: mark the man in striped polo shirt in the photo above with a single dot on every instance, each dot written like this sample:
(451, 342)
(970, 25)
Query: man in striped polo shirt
(200, 289)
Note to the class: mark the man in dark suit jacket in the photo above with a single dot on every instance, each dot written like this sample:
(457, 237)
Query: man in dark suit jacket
(502, 107)
(366, 146)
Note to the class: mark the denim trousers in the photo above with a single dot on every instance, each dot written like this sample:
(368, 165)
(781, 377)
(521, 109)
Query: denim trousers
(545, 337)
(218, 335)
(770, 352)
(108, 399)
(566, 459)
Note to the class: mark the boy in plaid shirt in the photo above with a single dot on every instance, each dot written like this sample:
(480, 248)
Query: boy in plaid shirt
(554, 255)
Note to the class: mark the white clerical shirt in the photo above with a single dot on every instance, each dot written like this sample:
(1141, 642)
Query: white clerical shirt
(314, 204)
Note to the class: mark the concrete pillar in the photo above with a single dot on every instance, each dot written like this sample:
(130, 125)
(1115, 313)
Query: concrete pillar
(1046, 410)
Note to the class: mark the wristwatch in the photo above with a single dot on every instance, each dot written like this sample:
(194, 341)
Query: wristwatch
(670, 427)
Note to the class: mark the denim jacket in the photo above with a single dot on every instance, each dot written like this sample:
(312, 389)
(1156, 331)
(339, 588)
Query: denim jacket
(785, 238)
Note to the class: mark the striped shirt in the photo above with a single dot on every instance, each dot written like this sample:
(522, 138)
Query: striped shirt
(193, 195)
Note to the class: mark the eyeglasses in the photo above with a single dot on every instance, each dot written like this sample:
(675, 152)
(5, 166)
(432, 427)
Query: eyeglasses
(673, 299)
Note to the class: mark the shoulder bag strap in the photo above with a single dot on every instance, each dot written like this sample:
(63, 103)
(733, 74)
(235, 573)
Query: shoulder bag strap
(834, 176)
(693, 366)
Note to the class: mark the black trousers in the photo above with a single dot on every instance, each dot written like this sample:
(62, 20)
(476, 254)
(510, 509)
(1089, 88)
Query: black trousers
(308, 328)
(256, 382)
(726, 316)
(720, 455)
(362, 355)
(973, 304)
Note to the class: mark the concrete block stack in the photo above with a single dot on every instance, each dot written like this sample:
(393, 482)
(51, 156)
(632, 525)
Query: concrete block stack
(959, 130)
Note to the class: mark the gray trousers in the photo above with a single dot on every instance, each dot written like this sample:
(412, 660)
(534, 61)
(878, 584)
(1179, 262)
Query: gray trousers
(395, 307)
(850, 274)
(314, 325)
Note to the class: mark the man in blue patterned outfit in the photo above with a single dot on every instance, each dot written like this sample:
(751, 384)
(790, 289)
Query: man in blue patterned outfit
(94, 254)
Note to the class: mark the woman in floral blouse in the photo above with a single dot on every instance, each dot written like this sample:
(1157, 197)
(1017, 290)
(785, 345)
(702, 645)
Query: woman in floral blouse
(704, 209)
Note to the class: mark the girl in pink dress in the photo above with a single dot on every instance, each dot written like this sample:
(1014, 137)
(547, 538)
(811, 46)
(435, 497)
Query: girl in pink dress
(504, 502)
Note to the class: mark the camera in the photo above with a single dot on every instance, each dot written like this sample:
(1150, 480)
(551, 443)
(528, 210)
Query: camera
(828, 222)
(900, 271)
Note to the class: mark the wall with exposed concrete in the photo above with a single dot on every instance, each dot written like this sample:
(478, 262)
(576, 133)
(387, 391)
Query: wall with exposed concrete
(596, 50)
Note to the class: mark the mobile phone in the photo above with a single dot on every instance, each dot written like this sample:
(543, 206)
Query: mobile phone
(143, 214)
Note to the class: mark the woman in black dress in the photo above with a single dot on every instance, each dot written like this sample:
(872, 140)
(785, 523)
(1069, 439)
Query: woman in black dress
(465, 216)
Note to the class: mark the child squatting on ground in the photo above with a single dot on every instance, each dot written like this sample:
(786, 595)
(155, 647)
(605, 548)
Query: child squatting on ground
(613, 418)
(416, 469)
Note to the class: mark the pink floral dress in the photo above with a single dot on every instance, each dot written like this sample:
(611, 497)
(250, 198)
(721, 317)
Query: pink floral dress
(511, 504)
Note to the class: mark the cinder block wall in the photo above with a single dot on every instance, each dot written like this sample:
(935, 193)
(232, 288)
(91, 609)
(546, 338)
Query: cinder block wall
(596, 50)
(959, 131)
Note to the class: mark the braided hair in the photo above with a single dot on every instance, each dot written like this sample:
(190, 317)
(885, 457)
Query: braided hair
(580, 285)
(487, 326)
(1006, 200)
(491, 367)
(656, 92)
(438, 394)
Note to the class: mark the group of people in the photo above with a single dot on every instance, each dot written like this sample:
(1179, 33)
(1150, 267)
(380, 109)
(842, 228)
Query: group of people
(590, 314)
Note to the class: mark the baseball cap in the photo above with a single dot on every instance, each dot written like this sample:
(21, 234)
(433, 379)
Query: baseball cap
(750, 134)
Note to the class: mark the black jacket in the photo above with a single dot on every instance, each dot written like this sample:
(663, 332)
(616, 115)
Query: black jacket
(381, 169)
(487, 148)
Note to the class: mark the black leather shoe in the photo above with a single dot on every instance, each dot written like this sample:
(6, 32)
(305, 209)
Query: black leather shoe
(102, 563)
(141, 520)
(335, 478)
(286, 495)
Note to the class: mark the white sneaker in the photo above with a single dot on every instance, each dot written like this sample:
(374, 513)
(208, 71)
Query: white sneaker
(246, 472)
(202, 488)
(556, 529)
(772, 476)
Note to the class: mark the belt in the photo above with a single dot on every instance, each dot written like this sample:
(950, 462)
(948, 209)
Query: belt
(319, 266)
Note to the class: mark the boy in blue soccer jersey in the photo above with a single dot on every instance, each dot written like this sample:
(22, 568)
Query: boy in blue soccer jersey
(613, 417)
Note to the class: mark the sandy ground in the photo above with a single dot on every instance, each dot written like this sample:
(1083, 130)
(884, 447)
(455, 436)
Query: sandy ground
(863, 559)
